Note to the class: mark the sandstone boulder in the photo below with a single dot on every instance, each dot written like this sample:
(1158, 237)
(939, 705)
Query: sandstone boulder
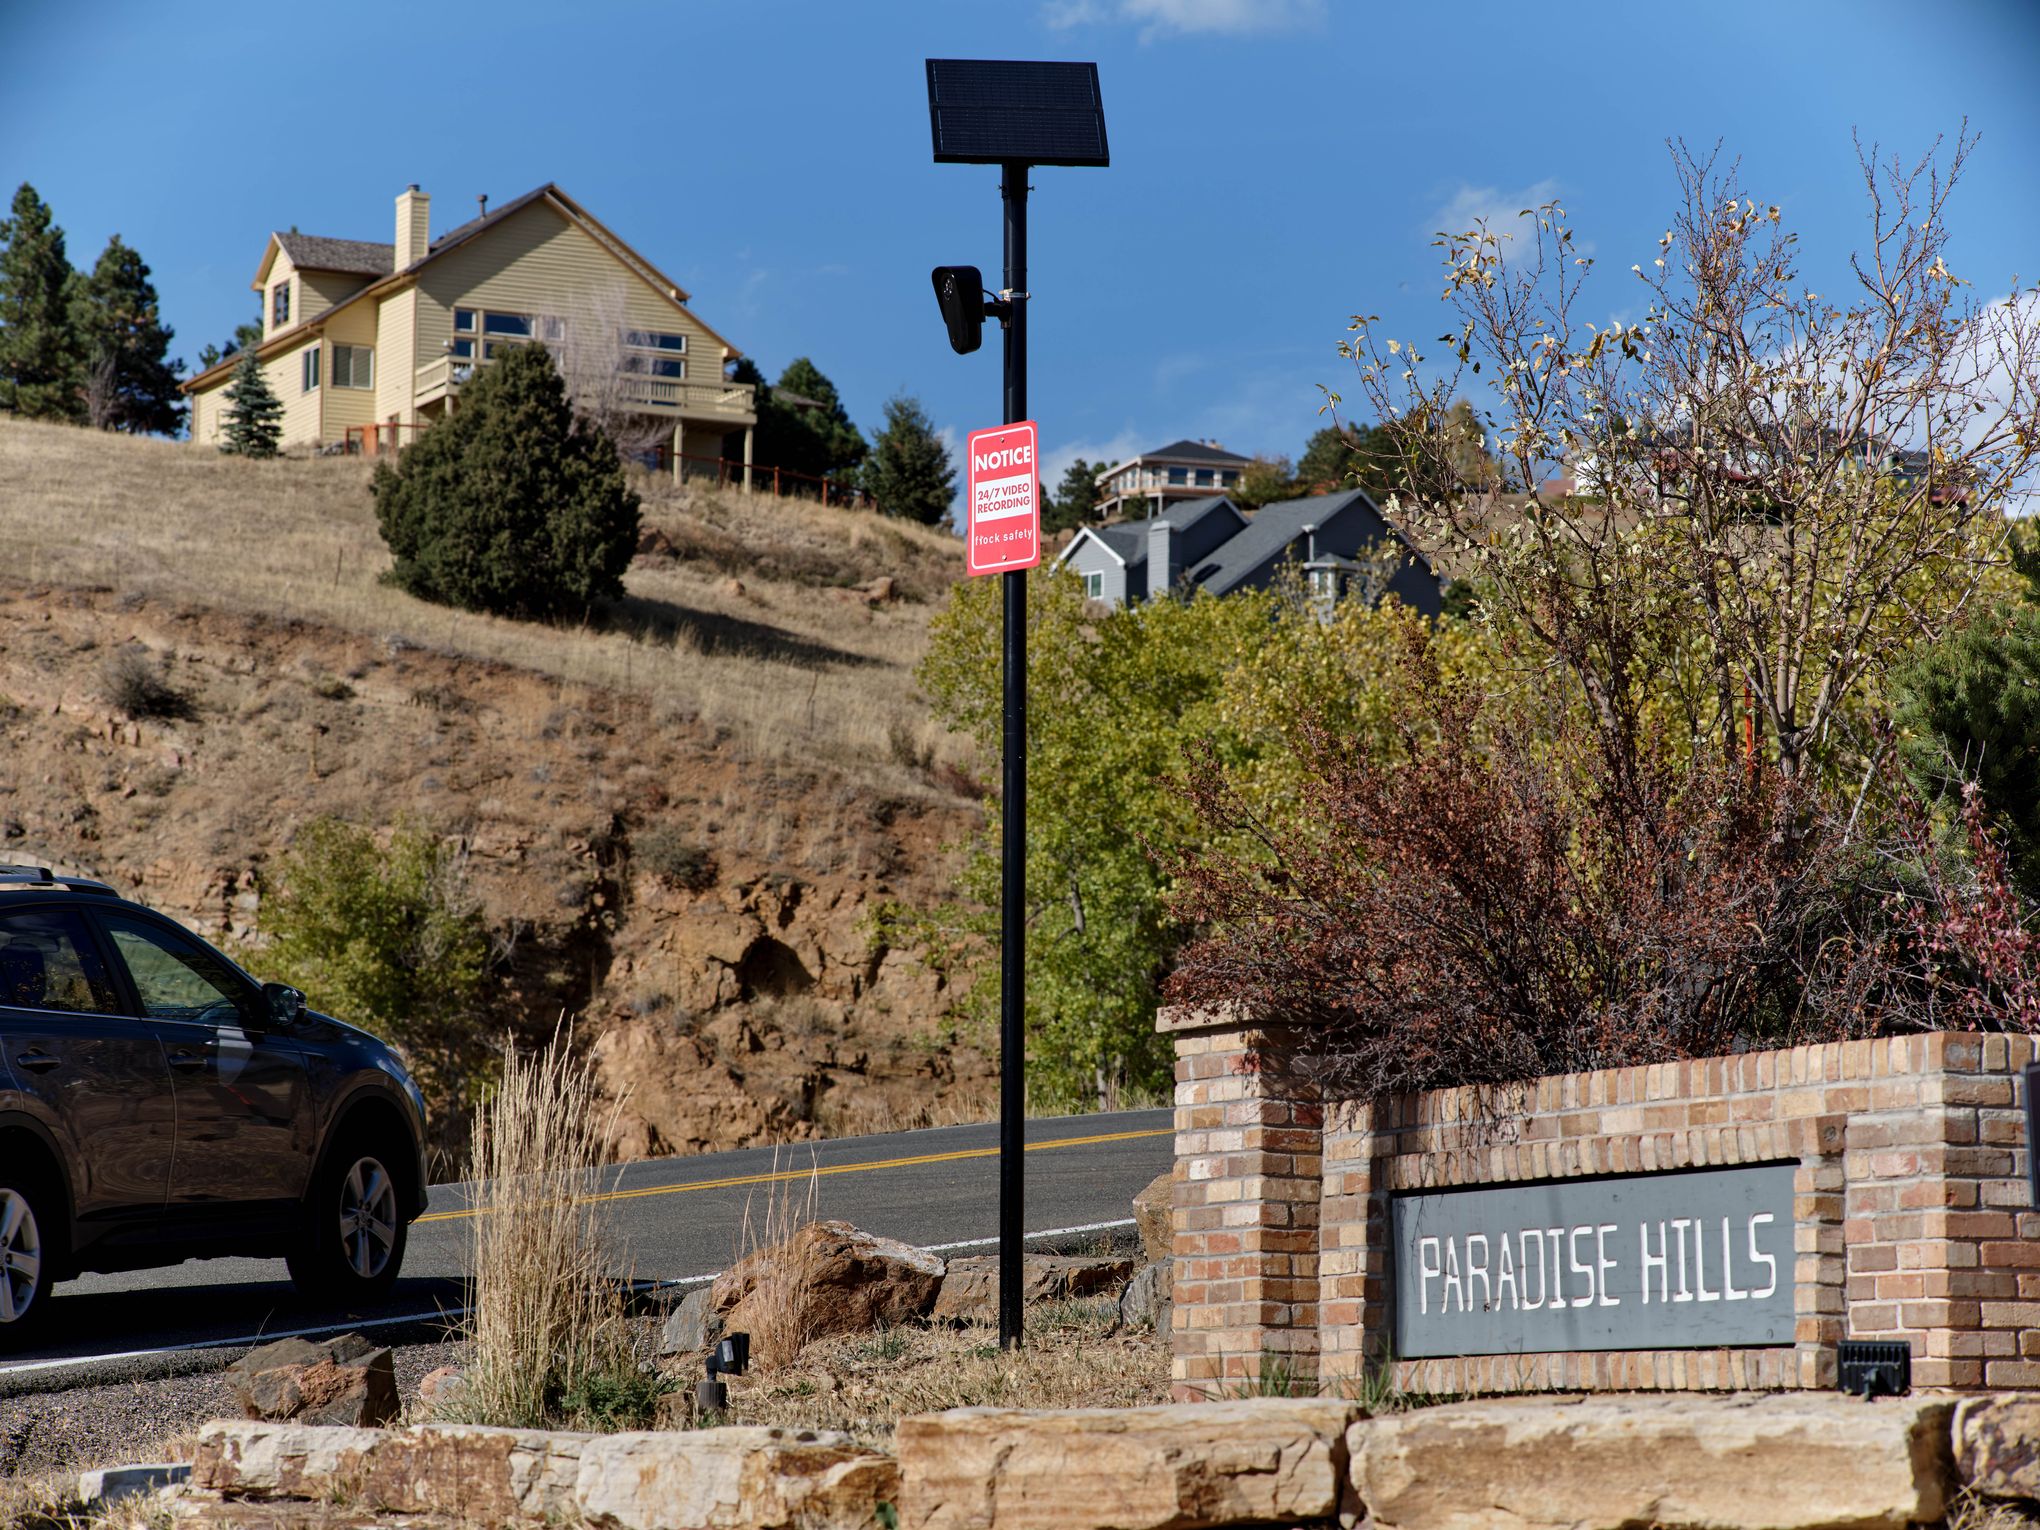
(337, 1381)
(1781, 1460)
(970, 1289)
(1178, 1467)
(1997, 1445)
(733, 1479)
(707, 1479)
(1153, 1213)
(828, 1278)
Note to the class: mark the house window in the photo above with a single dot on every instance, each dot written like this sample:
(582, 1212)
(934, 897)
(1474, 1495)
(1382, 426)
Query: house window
(279, 304)
(1094, 586)
(650, 354)
(1204, 478)
(1228, 478)
(308, 365)
(1179, 475)
(515, 326)
(353, 366)
(463, 321)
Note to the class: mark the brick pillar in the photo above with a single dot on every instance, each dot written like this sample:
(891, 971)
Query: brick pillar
(1248, 1152)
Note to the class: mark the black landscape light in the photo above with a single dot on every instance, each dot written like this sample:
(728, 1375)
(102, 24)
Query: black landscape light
(960, 290)
(1014, 114)
(1874, 1367)
(732, 1356)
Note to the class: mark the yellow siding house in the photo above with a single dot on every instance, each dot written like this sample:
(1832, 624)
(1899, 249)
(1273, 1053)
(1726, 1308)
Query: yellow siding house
(365, 343)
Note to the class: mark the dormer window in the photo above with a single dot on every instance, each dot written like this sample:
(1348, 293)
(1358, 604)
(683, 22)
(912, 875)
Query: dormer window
(279, 304)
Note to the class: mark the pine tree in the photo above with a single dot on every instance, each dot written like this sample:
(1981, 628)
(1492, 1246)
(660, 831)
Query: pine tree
(39, 361)
(909, 472)
(1075, 500)
(823, 438)
(510, 506)
(130, 382)
(254, 422)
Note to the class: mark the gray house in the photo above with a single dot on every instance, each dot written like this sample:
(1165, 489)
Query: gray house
(1211, 545)
(1113, 560)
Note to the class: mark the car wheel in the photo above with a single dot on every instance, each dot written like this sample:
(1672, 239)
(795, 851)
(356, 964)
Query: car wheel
(28, 1219)
(351, 1243)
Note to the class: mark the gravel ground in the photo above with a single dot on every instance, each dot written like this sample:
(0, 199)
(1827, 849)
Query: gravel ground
(115, 1423)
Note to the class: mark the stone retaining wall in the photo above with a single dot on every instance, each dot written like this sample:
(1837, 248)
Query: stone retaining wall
(1784, 1462)
(1910, 1206)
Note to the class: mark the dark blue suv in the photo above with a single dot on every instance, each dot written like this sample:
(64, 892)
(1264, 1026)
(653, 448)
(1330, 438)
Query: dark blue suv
(157, 1104)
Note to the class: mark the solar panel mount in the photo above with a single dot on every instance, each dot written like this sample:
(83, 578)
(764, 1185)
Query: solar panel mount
(1006, 111)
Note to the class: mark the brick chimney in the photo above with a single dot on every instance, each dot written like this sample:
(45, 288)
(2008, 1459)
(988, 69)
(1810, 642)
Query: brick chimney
(1161, 567)
(414, 210)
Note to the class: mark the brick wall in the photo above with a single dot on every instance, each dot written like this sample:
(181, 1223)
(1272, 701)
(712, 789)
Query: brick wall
(1909, 1202)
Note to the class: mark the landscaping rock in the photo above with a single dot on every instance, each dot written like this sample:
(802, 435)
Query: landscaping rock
(828, 1278)
(1784, 1461)
(970, 1290)
(486, 1476)
(441, 1386)
(734, 1479)
(1146, 1303)
(107, 1485)
(339, 1381)
(1997, 1445)
(1178, 1467)
(693, 1325)
(1153, 1214)
(705, 1479)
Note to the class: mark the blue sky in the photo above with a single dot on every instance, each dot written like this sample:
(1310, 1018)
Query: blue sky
(1278, 165)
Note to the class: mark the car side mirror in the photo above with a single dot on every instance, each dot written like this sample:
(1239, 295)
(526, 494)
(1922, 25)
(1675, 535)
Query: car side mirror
(286, 1004)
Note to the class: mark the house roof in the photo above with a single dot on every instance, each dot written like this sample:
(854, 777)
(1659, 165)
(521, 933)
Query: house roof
(1182, 451)
(1128, 540)
(452, 239)
(1269, 530)
(314, 252)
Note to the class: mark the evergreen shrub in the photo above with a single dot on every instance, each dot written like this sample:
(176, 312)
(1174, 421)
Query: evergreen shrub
(509, 506)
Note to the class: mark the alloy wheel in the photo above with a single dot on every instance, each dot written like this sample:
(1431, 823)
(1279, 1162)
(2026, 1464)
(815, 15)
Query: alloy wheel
(368, 1218)
(21, 1255)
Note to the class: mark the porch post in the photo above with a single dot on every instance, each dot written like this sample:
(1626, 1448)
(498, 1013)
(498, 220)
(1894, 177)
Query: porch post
(747, 457)
(679, 440)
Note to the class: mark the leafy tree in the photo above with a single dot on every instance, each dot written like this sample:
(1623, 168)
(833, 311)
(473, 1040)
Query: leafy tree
(389, 937)
(1264, 481)
(1780, 490)
(909, 472)
(1968, 707)
(1075, 499)
(254, 414)
(507, 506)
(39, 361)
(130, 382)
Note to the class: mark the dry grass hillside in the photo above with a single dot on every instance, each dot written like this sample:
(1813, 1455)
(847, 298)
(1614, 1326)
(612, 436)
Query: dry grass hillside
(678, 819)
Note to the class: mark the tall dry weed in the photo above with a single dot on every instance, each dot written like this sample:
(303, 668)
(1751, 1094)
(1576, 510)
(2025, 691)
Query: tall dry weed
(777, 1265)
(546, 1324)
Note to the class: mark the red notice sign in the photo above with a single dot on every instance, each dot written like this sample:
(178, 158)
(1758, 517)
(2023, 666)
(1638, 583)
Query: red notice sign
(1002, 526)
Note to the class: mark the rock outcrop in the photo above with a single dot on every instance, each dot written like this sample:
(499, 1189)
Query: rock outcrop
(828, 1278)
(970, 1289)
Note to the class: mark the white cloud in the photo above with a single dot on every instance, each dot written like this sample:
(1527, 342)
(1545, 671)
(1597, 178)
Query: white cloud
(1176, 18)
(1494, 205)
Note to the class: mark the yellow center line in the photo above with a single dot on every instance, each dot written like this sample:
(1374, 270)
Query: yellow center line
(783, 1176)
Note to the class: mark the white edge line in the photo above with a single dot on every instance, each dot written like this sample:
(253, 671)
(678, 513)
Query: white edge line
(32, 1367)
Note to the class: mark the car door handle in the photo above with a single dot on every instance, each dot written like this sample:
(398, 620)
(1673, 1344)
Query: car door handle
(37, 1061)
(187, 1060)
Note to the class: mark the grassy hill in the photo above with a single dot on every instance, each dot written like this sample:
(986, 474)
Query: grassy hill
(677, 818)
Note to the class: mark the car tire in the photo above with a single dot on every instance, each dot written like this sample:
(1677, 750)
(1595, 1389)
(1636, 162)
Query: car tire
(352, 1232)
(29, 1219)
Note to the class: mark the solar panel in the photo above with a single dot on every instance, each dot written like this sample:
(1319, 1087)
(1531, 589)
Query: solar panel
(995, 111)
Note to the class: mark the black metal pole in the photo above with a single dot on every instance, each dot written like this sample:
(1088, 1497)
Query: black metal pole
(1013, 827)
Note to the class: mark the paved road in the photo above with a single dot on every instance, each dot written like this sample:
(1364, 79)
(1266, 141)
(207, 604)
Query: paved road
(677, 1218)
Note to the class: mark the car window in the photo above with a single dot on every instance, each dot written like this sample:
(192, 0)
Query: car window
(48, 961)
(176, 977)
